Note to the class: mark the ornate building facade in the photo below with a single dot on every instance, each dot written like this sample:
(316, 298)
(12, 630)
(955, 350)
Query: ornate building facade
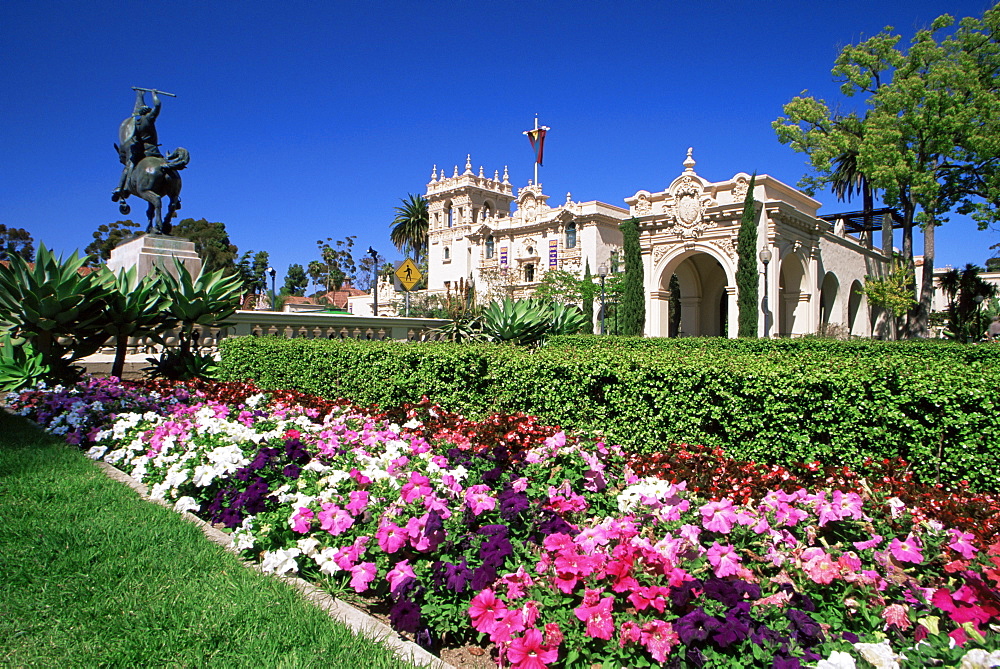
(480, 230)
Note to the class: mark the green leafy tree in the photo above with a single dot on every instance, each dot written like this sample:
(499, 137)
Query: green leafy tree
(967, 292)
(587, 289)
(633, 305)
(296, 281)
(747, 279)
(892, 292)
(211, 242)
(106, 238)
(317, 272)
(410, 226)
(16, 242)
(927, 140)
(252, 269)
(338, 257)
(363, 280)
(560, 287)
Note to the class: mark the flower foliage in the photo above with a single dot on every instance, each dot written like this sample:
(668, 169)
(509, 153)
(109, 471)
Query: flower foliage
(557, 548)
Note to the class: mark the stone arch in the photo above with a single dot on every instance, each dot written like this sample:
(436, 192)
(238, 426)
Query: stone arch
(793, 297)
(705, 279)
(830, 304)
(857, 305)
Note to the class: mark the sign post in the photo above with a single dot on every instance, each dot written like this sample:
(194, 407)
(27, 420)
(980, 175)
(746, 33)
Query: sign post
(408, 276)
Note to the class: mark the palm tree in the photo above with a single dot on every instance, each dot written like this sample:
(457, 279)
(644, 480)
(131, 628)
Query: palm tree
(409, 228)
(847, 180)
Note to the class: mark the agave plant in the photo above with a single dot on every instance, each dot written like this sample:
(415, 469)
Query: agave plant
(206, 300)
(135, 307)
(516, 321)
(179, 366)
(54, 307)
(459, 330)
(20, 365)
(565, 319)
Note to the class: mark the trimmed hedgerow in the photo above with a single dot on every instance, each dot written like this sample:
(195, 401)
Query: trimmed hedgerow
(837, 403)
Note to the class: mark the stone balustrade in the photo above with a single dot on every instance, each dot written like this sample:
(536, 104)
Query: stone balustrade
(296, 325)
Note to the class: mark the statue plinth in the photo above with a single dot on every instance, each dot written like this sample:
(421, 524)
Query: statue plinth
(149, 251)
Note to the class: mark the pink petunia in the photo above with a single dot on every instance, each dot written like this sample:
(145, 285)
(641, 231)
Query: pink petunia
(629, 632)
(961, 543)
(484, 609)
(723, 559)
(819, 567)
(529, 651)
(358, 503)
(362, 575)
(334, 520)
(600, 623)
(302, 519)
(907, 550)
(718, 516)
(390, 536)
(478, 499)
(399, 575)
(508, 624)
(895, 614)
(659, 637)
(871, 543)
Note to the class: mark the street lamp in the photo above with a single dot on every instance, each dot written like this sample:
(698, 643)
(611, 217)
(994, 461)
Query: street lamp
(374, 254)
(765, 257)
(602, 271)
(273, 273)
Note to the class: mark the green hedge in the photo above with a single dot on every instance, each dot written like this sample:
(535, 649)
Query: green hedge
(835, 402)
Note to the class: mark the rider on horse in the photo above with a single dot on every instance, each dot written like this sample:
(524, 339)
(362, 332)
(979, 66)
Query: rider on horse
(142, 143)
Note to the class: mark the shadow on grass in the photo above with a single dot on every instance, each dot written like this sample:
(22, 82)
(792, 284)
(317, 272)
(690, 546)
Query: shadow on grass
(92, 575)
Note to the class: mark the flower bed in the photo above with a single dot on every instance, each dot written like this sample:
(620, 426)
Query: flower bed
(557, 548)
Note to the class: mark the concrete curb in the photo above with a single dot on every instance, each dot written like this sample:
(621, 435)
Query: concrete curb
(359, 622)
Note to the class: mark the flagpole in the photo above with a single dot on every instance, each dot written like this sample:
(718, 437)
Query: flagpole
(536, 159)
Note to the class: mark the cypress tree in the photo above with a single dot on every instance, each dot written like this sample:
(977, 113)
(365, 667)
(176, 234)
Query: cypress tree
(633, 306)
(588, 300)
(746, 266)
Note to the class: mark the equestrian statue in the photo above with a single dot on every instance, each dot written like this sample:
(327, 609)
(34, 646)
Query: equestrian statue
(146, 173)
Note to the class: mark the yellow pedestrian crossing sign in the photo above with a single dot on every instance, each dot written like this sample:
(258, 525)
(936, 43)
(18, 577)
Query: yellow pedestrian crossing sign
(408, 274)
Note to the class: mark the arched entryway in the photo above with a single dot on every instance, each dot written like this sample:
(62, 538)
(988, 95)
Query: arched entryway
(701, 288)
(856, 307)
(829, 300)
(793, 299)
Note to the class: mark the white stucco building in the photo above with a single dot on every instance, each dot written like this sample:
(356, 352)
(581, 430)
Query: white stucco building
(504, 241)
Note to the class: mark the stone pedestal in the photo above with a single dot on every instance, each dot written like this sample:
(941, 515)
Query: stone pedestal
(149, 250)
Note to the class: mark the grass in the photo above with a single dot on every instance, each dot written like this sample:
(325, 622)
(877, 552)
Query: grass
(91, 575)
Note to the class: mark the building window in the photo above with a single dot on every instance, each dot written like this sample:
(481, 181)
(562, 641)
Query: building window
(447, 253)
(489, 246)
(571, 235)
(529, 273)
(451, 215)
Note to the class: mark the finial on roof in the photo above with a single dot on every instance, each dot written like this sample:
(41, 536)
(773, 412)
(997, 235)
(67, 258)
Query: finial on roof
(496, 175)
(689, 162)
(506, 178)
(480, 171)
(569, 197)
(468, 163)
(434, 174)
(455, 175)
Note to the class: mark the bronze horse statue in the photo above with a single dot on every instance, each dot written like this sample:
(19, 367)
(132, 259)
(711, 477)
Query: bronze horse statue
(150, 177)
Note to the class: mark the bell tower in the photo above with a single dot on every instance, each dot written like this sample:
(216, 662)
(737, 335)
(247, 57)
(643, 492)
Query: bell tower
(457, 207)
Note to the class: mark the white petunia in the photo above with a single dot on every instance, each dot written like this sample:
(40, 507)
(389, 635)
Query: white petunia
(186, 504)
(280, 561)
(980, 659)
(324, 560)
(308, 545)
(96, 452)
(879, 654)
(837, 660)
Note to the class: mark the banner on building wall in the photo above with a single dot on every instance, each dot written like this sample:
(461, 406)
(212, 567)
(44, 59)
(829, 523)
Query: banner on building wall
(503, 259)
(553, 252)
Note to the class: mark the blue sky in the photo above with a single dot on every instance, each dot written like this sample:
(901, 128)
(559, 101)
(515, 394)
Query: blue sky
(312, 120)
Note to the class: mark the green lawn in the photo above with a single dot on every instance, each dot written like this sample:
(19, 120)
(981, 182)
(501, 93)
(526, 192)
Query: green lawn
(93, 576)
